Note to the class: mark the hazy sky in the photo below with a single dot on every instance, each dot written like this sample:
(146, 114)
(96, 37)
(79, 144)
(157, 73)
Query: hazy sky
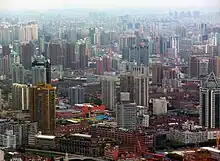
(49, 4)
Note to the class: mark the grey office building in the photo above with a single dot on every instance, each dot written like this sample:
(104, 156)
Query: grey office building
(18, 73)
(210, 102)
(126, 112)
(76, 95)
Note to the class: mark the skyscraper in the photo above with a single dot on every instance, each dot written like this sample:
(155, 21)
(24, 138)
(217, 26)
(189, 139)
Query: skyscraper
(210, 102)
(127, 84)
(108, 84)
(43, 107)
(18, 73)
(41, 71)
(20, 96)
(27, 51)
(126, 112)
(76, 95)
(141, 90)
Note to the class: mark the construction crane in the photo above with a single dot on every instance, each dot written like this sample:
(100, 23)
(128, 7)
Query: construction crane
(153, 157)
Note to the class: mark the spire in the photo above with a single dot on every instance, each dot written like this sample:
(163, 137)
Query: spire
(211, 81)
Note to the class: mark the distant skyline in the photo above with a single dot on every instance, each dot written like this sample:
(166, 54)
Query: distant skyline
(53, 4)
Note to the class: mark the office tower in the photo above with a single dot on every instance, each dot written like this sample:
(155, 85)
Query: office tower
(203, 67)
(115, 63)
(70, 56)
(6, 50)
(127, 84)
(94, 36)
(6, 35)
(126, 112)
(181, 31)
(131, 40)
(126, 54)
(54, 52)
(99, 66)
(48, 71)
(141, 90)
(42, 45)
(27, 51)
(43, 107)
(141, 54)
(193, 66)
(186, 44)
(72, 35)
(83, 54)
(14, 59)
(106, 63)
(41, 70)
(175, 43)
(76, 95)
(217, 39)
(5, 65)
(20, 96)
(28, 32)
(17, 47)
(127, 40)
(18, 73)
(216, 65)
(163, 45)
(210, 102)
(157, 73)
(108, 85)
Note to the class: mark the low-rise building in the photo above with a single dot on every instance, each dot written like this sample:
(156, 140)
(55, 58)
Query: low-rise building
(81, 144)
(45, 141)
(189, 134)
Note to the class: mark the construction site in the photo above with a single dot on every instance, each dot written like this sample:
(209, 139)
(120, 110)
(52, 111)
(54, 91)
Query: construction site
(140, 154)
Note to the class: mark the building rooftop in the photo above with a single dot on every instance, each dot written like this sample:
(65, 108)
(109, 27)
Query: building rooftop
(211, 149)
(45, 136)
(82, 135)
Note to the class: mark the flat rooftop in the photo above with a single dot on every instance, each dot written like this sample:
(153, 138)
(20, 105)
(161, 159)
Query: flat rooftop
(82, 135)
(49, 137)
(211, 149)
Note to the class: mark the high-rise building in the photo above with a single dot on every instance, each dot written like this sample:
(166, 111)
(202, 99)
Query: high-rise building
(216, 65)
(18, 73)
(14, 58)
(54, 53)
(157, 73)
(126, 113)
(69, 55)
(28, 32)
(108, 84)
(43, 107)
(141, 90)
(76, 95)
(83, 54)
(5, 65)
(210, 102)
(106, 63)
(127, 84)
(41, 71)
(20, 96)
(140, 54)
(27, 52)
(6, 50)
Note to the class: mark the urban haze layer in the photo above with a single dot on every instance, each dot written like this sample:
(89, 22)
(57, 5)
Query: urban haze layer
(110, 84)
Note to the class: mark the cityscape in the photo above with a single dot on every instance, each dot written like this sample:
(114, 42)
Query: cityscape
(127, 84)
